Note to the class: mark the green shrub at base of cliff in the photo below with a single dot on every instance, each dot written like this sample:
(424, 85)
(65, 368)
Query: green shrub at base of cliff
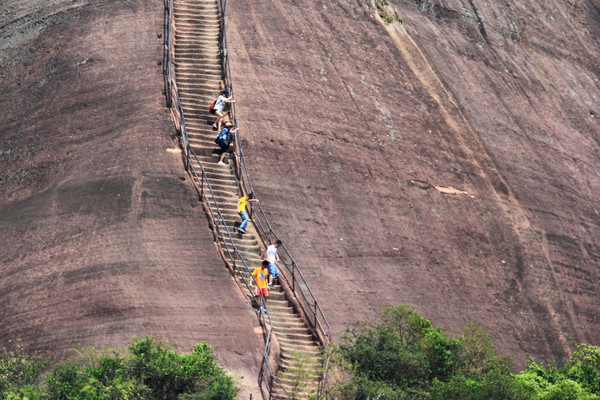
(150, 370)
(407, 357)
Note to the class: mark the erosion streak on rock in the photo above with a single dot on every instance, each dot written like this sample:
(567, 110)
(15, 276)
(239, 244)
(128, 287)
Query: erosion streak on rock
(532, 243)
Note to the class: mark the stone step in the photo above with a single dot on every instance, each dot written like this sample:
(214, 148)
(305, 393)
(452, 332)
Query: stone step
(189, 30)
(199, 22)
(301, 346)
(201, 98)
(229, 182)
(291, 334)
(194, 42)
(202, 9)
(196, 8)
(211, 74)
(246, 241)
(200, 12)
(228, 201)
(198, 58)
(298, 393)
(225, 172)
(198, 73)
(285, 310)
(219, 190)
(304, 351)
(195, 3)
(279, 296)
(294, 327)
(195, 53)
(202, 150)
(241, 246)
(200, 128)
(209, 93)
(291, 353)
(207, 64)
(200, 113)
(297, 377)
(313, 363)
(197, 82)
(196, 38)
(288, 322)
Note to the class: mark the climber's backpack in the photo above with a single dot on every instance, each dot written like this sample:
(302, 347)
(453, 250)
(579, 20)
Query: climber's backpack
(211, 108)
(223, 138)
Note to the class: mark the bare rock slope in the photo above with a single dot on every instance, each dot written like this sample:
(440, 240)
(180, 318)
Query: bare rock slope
(448, 160)
(103, 237)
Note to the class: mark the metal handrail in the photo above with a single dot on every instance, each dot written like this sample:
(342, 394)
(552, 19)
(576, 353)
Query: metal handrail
(298, 284)
(220, 229)
(266, 230)
(305, 299)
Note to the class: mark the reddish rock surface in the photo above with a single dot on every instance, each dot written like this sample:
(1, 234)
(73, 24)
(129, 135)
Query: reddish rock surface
(103, 237)
(500, 100)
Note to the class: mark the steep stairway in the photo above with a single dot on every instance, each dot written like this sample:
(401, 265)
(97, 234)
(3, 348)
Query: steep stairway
(198, 75)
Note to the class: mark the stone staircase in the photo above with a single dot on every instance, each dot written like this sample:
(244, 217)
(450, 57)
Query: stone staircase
(198, 75)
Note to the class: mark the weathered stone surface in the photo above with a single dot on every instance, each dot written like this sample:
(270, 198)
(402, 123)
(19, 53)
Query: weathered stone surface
(340, 113)
(102, 234)
(103, 240)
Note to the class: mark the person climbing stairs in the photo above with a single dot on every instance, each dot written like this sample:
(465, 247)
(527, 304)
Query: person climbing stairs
(199, 76)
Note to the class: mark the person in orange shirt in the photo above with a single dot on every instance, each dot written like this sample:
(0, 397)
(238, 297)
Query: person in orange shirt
(261, 274)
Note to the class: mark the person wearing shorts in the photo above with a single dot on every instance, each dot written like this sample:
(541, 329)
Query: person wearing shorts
(260, 274)
(220, 108)
(272, 258)
(228, 145)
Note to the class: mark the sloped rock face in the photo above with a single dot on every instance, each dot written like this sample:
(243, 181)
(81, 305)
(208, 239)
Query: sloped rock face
(103, 237)
(349, 126)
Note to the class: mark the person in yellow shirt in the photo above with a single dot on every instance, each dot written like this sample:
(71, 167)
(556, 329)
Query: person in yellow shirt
(242, 210)
(261, 274)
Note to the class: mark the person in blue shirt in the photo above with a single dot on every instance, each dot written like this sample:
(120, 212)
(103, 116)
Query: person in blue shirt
(226, 142)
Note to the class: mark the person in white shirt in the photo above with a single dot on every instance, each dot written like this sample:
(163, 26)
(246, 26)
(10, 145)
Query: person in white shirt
(272, 258)
(220, 108)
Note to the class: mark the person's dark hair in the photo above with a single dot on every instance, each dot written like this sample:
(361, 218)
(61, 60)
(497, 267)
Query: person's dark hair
(225, 93)
(265, 263)
(278, 242)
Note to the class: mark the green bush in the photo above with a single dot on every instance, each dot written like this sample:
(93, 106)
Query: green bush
(584, 368)
(20, 373)
(407, 357)
(151, 370)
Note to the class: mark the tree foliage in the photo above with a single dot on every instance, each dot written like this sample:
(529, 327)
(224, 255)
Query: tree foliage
(150, 370)
(407, 357)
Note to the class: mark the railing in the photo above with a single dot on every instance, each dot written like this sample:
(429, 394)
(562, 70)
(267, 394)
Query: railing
(227, 247)
(297, 283)
(302, 296)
